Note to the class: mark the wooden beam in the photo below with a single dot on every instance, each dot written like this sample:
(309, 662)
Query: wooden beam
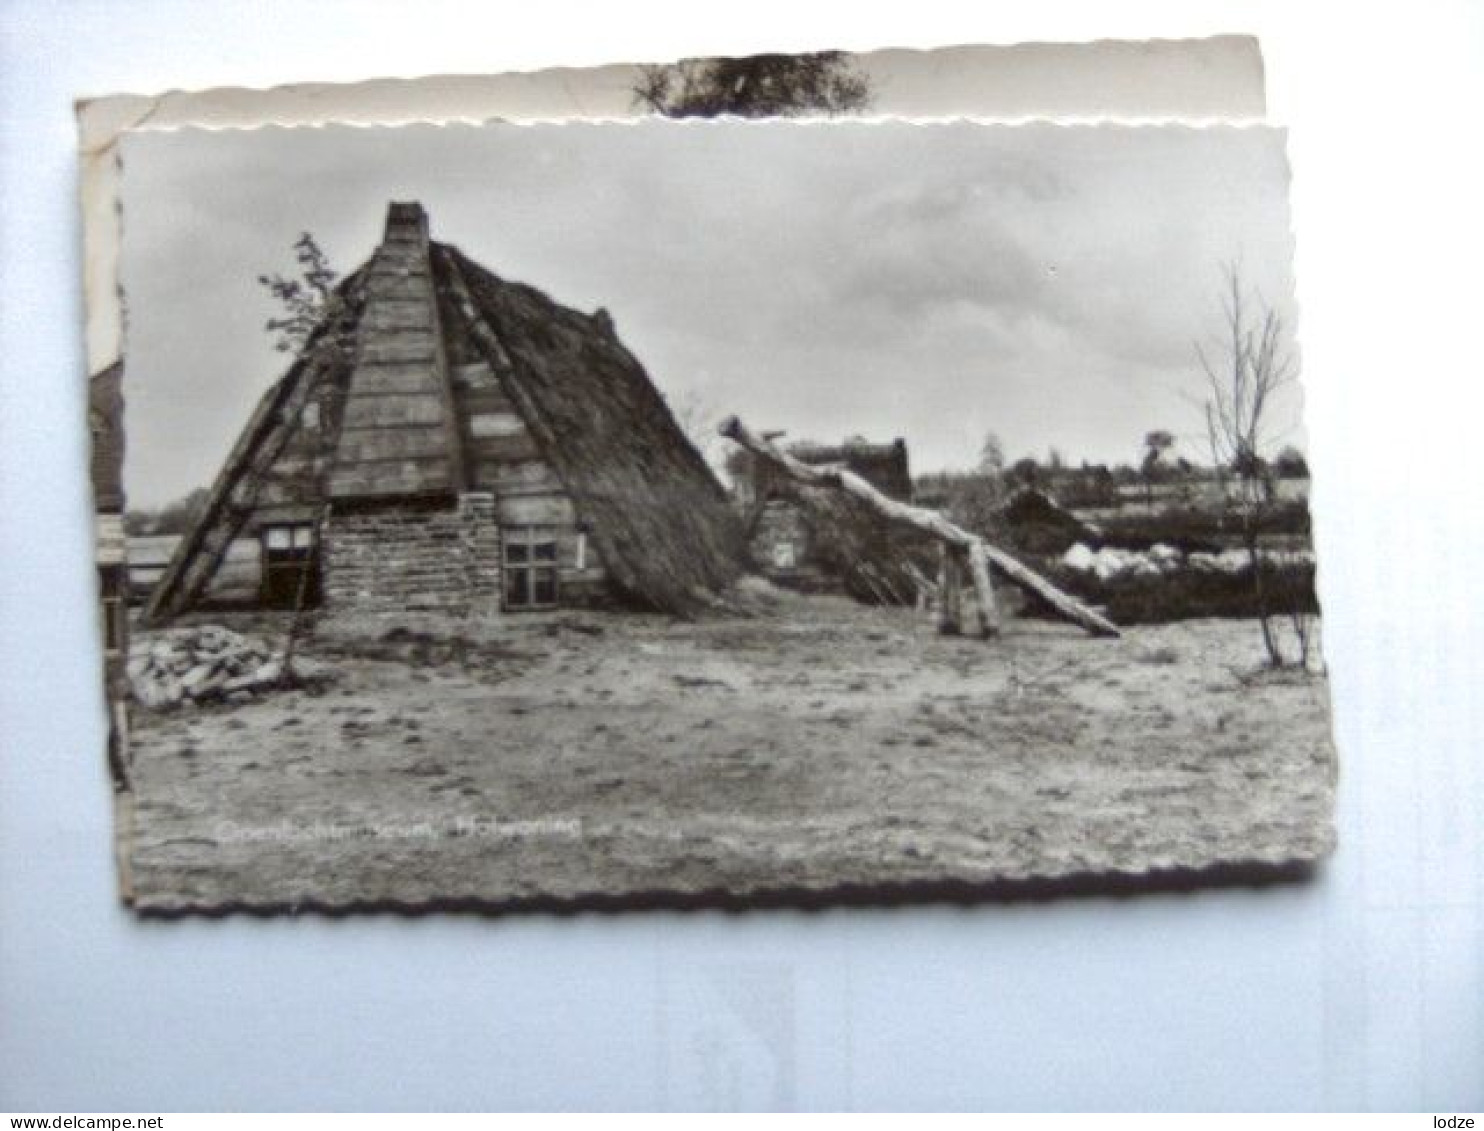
(1065, 604)
(989, 612)
(239, 483)
(949, 603)
(233, 495)
(927, 522)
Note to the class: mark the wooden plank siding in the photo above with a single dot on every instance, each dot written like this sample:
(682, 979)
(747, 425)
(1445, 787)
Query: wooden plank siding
(521, 477)
(505, 460)
(370, 445)
(398, 434)
(390, 377)
(494, 450)
(536, 510)
(495, 425)
(387, 412)
(391, 478)
(278, 513)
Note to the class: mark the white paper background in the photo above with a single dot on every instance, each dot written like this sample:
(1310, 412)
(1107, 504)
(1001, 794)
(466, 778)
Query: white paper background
(1362, 990)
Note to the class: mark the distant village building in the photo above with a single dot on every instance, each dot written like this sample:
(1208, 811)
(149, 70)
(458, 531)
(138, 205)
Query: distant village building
(1038, 524)
(105, 429)
(452, 441)
(791, 535)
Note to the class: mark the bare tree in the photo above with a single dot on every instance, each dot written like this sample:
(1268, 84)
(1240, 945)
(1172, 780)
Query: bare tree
(985, 494)
(1156, 444)
(306, 299)
(756, 86)
(992, 456)
(1246, 366)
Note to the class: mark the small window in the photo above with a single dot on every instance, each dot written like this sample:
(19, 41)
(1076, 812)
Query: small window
(112, 583)
(115, 618)
(530, 567)
(543, 587)
(784, 556)
(290, 565)
(310, 416)
(289, 538)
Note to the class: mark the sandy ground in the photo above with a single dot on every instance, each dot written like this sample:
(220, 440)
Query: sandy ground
(823, 746)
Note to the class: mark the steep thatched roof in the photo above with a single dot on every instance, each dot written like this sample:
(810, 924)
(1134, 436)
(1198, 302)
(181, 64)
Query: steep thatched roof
(660, 521)
(389, 427)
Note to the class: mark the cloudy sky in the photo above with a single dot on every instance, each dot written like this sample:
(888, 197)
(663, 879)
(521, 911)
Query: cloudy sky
(931, 282)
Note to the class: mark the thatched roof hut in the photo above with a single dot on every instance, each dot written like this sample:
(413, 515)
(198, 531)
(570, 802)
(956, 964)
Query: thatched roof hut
(809, 537)
(450, 439)
(1038, 524)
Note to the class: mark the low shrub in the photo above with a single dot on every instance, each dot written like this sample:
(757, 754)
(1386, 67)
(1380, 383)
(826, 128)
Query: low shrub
(1196, 529)
(1187, 593)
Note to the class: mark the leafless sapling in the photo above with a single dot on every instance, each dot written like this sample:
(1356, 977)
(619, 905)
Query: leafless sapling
(1156, 444)
(1246, 366)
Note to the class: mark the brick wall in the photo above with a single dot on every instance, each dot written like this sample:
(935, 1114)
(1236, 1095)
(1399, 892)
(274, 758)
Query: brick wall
(414, 558)
(482, 537)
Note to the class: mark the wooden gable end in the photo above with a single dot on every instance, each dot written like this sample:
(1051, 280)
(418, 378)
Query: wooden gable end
(503, 456)
(398, 436)
(505, 460)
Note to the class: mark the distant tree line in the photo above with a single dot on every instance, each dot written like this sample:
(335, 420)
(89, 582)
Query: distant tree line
(172, 518)
(1090, 484)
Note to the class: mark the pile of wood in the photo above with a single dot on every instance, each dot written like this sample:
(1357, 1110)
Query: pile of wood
(208, 663)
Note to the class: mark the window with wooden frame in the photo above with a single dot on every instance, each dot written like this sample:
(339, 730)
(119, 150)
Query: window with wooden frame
(289, 537)
(530, 560)
(290, 565)
(115, 612)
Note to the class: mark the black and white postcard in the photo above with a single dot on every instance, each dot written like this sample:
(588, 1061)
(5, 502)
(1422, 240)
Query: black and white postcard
(520, 516)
